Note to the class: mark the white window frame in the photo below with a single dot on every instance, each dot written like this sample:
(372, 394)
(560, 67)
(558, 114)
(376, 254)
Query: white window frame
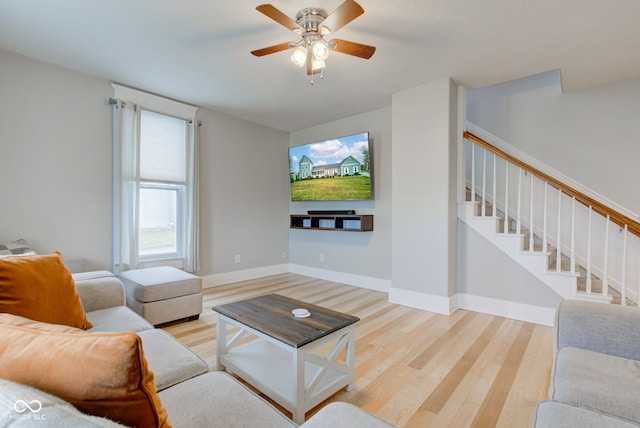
(180, 197)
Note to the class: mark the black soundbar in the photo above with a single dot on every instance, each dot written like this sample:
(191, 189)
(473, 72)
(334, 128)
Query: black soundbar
(331, 212)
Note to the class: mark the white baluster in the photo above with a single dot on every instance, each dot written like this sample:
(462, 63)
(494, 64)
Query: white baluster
(506, 197)
(544, 219)
(531, 215)
(484, 182)
(559, 235)
(573, 235)
(494, 199)
(589, 252)
(473, 173)
(605, 269)
(623, 290)
(518, 222)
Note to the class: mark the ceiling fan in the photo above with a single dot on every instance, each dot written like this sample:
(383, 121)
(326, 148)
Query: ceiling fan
(313, 24)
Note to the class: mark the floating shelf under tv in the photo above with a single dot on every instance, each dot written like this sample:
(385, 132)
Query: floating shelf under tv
(347, 223)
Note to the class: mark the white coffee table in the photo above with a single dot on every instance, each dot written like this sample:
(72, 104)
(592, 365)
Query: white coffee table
(284, 361)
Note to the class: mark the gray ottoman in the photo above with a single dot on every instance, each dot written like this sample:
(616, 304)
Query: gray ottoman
(163, 294)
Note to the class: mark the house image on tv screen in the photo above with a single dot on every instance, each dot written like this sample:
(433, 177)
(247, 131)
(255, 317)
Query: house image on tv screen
(348, 166)
(337, 169)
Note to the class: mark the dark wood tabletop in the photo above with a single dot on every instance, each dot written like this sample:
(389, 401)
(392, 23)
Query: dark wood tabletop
(271, 314)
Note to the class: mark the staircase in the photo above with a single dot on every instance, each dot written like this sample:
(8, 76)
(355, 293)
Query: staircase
(577, 246)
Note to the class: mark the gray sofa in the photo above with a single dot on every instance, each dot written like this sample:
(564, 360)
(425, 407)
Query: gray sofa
(193, 395)
(595, 378)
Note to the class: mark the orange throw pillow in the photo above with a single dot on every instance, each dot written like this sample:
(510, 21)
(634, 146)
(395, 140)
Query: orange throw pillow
(101, 374)
(41, 288)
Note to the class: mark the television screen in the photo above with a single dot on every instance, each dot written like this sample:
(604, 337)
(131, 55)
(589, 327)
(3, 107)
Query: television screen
(332, 170)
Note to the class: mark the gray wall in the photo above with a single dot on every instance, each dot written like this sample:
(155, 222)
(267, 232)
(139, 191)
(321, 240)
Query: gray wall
(484, 270)
(55, 170)
(55, 159)
(55, 166)
(590, 136)
(424, 189)
(367, 253)
(244, 193)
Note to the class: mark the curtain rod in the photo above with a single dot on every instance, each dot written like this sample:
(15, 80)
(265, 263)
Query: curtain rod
(113, 101)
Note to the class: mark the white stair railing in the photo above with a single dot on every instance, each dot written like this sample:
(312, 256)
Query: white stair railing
(584, 230)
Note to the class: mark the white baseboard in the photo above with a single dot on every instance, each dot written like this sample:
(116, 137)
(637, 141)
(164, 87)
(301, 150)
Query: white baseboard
(375, 284)
(242, 275)
(370, 283)
(426, 302)
(507, 309)
(486, 305)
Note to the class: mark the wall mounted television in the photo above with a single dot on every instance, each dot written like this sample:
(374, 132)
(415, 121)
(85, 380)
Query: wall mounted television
(338, 169)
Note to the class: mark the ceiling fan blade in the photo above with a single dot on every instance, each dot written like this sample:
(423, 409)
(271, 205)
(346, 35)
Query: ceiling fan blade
(344, 14)
(272, 49)
(352, 48)
(274, 13)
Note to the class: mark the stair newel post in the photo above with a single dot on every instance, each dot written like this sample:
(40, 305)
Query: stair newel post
(559, 234)
(544, 218)
(588, 287)
(484, 182)
(573, 235)
(473, 173)
(531, 215)
(506, 197)
(494, 199)
(518, 222)
(605, 269)
(623, 289)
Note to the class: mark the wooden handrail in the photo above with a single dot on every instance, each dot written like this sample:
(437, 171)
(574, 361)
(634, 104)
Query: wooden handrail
(602, 209)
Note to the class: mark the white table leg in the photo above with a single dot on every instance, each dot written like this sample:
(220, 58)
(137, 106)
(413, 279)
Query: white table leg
(299, 385)
(351, 359)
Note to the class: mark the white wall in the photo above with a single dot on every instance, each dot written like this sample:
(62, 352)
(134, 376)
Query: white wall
(55, 170)
(590, 136)
(361, 256)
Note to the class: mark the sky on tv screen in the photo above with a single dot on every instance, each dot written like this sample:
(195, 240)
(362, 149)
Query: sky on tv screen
(330, 151)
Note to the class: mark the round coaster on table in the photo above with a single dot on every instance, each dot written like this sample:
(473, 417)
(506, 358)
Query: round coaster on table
(301, 313)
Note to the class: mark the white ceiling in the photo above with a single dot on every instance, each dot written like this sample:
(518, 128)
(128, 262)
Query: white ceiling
(198, 50)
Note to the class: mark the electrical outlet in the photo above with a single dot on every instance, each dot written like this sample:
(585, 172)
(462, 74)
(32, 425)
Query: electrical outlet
(284, 254)
(321, 257)
(237, 258)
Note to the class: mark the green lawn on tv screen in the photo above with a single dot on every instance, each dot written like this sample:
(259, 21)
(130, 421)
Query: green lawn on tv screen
(325, 189)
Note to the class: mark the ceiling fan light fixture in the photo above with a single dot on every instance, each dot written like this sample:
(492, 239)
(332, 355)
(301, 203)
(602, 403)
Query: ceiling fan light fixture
(320, 50)
(316, 65)
(299, 56)
(313, 24)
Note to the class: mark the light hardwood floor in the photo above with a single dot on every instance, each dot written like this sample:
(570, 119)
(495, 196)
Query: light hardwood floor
(413, 368)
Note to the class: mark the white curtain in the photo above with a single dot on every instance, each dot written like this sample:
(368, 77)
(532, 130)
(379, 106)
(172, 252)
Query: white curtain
(191, 218)
(126, 185)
